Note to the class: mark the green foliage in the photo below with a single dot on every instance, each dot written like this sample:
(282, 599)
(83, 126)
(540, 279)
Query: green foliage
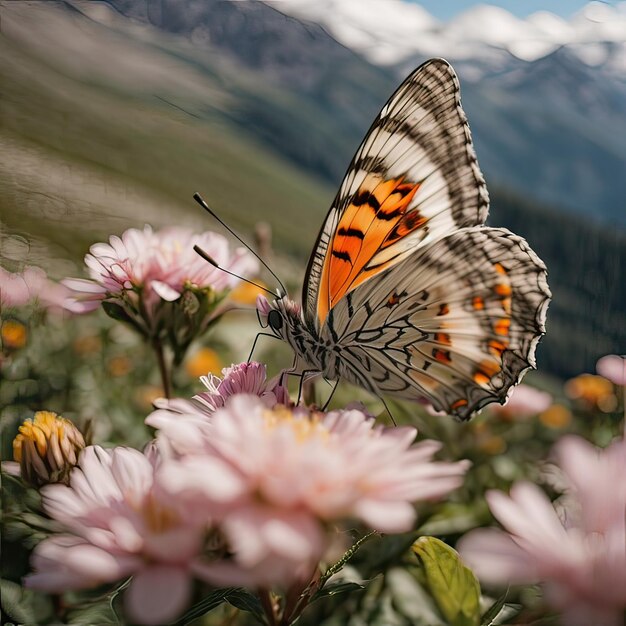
(239, 598)
(491, 614)
(452, 584)
(22, 605)
(92, 368)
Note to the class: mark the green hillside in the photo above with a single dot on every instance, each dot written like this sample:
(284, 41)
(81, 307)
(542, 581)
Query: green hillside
(82, 158)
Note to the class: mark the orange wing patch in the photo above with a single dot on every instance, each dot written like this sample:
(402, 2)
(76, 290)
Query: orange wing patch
(485, 371)
(375, 219)
(501, 327)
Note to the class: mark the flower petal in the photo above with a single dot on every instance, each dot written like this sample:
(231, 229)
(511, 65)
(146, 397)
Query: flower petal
(158, 594)
(164, 291)
(496, 558)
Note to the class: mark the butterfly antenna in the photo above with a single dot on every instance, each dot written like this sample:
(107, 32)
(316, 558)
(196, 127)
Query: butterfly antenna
(198, 198)
(214, 263)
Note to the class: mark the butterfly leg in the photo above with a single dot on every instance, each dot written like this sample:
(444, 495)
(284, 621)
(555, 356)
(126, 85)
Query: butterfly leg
(330, 397)
(256, 339)
(387, 409)
(291, 371)
(302, 381)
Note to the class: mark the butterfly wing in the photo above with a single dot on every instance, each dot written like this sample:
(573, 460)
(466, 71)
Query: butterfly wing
(457, 322)
(413, 179)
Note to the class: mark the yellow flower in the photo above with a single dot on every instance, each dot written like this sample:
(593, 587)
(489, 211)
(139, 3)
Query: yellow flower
(202, 362)
(494, 444)
(146, 395)
(47, 448)
(557, 416)
(119, 365)
(87, 344)
(245, 293)
(589, 388)
(13, 334)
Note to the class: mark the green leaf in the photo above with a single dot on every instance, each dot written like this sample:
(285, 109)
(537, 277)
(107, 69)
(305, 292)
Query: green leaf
(453, 585)
(239, 598)
(97, 613)
(490, 615)
(410, 599)
(120, 314)
(12, 602)
(334, 589)
(245, 601)
(23, 605)
(116, 311)
(115, 599)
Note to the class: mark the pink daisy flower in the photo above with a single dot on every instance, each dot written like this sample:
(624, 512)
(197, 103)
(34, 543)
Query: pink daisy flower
(161, 264)
(578, 557)
(278, 480)
(247, 378)
(524, 401)
(118, 523)
(613, 368)
(31, 285)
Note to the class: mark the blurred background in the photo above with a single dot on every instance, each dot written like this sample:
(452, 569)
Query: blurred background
(114, 113)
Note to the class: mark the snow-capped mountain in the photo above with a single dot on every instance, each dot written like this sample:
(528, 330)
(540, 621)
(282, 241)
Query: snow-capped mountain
(388, 32)
(546, 96)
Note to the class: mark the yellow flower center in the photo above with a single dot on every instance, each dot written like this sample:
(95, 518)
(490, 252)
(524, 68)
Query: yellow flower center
(158, 518)
(39, 430)
(304, 428)
(172, 250)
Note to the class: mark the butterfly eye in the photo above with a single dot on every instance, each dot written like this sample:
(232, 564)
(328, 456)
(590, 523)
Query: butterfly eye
(275, 320)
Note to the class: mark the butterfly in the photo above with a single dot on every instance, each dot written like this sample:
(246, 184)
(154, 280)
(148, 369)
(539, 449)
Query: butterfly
(407, 293)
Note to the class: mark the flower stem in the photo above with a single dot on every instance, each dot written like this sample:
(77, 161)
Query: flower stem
(165, 374)
(268, 606)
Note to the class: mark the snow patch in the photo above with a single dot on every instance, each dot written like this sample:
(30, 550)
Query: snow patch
(389, 32)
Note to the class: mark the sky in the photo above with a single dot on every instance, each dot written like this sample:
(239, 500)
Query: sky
(445, 9)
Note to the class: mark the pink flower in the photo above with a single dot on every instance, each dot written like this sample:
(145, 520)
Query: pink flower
(31, 285)
(276, 481)
(247, 378)
(119, 523)
(162, 265)
(613, 368)
(580, 559)
(524, 401)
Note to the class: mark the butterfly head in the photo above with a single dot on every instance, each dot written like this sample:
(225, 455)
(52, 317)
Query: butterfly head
(281, 316)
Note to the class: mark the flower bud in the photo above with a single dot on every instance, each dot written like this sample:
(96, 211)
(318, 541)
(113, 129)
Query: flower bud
(47, 448)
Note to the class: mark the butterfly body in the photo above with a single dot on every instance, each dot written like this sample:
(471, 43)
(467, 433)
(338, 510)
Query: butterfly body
(407, 293)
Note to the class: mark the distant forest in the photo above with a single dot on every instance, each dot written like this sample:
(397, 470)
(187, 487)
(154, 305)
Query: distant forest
(587, 275)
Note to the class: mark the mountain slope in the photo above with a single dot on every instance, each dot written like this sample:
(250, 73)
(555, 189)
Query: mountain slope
(124, 134)
(287, 76)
